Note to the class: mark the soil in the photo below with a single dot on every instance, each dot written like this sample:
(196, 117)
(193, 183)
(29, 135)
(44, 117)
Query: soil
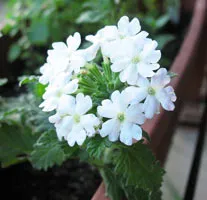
(72, 181)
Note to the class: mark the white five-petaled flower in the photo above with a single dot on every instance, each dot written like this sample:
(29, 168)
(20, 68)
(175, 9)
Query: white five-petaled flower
(105, 36)
(111, 33)
(154, 92)
(67, 57)
(49, 72)
(124, 119)
(71, 120)
(61, 85)
(134, 58)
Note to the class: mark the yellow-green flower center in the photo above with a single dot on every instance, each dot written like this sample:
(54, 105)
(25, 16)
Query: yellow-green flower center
(121, 117)
(136, 59)
(151, 91)
(76, 118)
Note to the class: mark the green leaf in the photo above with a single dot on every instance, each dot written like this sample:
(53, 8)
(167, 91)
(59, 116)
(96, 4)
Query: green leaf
(49, 151)
(162, 21)
(113, 189)
(96, 146)
(138, 167)
(16, 143)
(38, 33)
(14, 52)
(3, 81)
(146, 136)
(140, 194)
(173, 10)
(27, 79)
(39, 89)
(91, 16)
(172, 74)
(164, 39)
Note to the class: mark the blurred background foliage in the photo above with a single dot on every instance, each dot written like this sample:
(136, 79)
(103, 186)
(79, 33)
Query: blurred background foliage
(33, 25)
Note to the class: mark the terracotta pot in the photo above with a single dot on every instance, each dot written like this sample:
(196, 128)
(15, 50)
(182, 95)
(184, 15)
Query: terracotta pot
(189, 64)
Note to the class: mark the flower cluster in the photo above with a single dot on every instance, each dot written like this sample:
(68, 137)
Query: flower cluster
(130, 54)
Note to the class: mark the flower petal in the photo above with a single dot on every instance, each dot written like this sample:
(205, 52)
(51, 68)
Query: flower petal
(73, 42)
(120, 65)
(136, 132)
(123, 24)
(83, 104)
(134, 26)
(126, 134)
(145, 70)
(76, 135)
(71, 87)
(111, 128)
(134, 114)
(129, 75)
(107, 110)
(88, 122)
(59, 46)
(66, 105)
(150, 106)
(165, 99)
(64, 126)
(160, 78)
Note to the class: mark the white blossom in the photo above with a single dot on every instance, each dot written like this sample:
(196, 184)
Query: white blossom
(126, 28)
(154, 92)
(61, 85)
(67, 56)
(124, 119)
(105, 36)
(134, 58)
(48, 72)
(71, 120)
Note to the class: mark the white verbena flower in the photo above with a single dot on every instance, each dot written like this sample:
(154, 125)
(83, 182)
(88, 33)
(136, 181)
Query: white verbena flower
(124, 119)
(67, 57)
(134, 58)
(154, 92)
(48, 72)
(126, 28)
(61, 85)
(108, 34)
(71, 120)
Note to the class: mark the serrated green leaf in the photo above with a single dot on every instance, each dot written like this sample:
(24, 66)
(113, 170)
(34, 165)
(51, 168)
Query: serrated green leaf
(138, 167)
(96, 146)
(49, 151)
(16, 143)
(140, 194)
(113, 189)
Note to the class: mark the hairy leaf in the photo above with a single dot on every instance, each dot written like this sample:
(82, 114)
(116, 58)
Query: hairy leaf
(96, 146)
(138, 167)
(49, 151)
(113, 189)
(16, 143)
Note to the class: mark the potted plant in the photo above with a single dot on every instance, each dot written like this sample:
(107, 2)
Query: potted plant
(149, 126)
